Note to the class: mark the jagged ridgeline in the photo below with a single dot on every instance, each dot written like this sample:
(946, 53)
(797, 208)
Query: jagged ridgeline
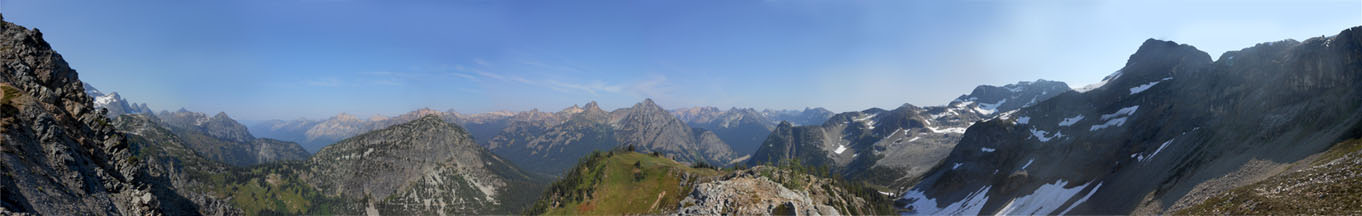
(627, 182)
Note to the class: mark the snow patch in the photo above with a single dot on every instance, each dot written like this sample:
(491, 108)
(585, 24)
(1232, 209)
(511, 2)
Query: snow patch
(986, 108)
(840, 149)
(1028, 163)
(1045, 136)
(987, 149)
(867, 120)
(1115, 119)
(1043, 200)
(1123, 112)
(104, 100)
(956, 165)
(913, 139)
(1084, 199)
(1071, 120)
(972, 204)
(1146, 86)
(959, 130)
(1165, 144)
(1114, 122)
(1023, 120)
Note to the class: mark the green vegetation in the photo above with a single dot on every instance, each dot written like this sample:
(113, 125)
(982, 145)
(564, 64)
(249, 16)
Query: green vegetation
(626, 182)
(611, 183)
(271, 189)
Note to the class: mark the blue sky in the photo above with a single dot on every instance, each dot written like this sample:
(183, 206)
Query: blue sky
(286, 59)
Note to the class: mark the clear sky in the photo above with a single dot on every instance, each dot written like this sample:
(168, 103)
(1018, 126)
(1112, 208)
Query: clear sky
(284, 59)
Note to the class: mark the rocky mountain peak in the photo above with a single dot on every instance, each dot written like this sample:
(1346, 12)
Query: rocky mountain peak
(591, 106)
(221, 115)
(1159, 52)
(422, 161)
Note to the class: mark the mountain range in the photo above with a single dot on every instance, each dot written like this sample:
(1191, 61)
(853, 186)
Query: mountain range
(1269, 129)
(892, 147)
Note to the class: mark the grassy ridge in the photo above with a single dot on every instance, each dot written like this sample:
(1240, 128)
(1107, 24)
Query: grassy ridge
(626, 182)
(612, 183)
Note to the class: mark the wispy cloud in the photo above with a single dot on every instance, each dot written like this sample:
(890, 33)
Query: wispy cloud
(593, 88)
(324, 82)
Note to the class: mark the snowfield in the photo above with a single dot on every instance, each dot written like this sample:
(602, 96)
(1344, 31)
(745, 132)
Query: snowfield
(971, 205)
(986, 108)
(1044, 200)
(1115, 119)
(958, 130)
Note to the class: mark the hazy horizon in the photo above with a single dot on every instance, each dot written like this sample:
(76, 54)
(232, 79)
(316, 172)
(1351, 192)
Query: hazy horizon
(259, 60)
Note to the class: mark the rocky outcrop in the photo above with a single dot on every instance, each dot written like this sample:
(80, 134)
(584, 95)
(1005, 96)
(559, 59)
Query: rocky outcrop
(748, 192)
(58, 154)
(1330, 183)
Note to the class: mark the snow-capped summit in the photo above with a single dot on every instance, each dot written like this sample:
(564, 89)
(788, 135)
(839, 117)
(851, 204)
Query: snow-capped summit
(114, 103)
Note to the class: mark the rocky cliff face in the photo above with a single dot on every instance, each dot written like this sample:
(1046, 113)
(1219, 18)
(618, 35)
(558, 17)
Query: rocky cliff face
(1169, 129)
(222, 139)
(59, 155)
(426, 166)
(894, 147)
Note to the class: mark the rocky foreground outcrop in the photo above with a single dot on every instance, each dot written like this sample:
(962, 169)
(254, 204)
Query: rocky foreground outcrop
(59, 155)
(753, 192)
